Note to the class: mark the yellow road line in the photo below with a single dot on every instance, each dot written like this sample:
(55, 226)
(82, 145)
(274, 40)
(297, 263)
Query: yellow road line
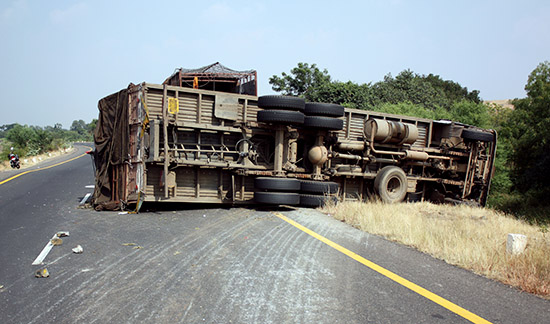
(44, 168)
(400, 280)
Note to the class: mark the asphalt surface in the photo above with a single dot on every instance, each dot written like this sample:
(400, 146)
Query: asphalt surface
(216, 265)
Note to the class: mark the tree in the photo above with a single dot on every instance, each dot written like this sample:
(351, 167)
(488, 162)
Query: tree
(411, 92)
(453, 91)
(20, 136)
(528, 131)
(471, 113)
(79, 126)
(348, 94)
(304, 81)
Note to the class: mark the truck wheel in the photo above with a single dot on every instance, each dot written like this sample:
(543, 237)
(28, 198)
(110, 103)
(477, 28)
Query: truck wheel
(277, 184)
(328, 123)
(280, 117)
(318, 187)
(281, 102)
(477, 135)
(323, 109)
(316, 200)
(277, 198)
(391, 184)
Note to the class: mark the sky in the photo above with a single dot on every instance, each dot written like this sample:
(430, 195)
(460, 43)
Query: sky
(58, 58)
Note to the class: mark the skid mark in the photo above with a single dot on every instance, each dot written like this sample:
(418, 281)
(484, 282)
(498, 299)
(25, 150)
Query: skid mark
(98, 281)
(143, 276)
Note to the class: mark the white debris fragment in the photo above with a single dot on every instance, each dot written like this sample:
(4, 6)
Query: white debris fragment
(62, 234)
(123, 213)
(78, 249)
(85, 198)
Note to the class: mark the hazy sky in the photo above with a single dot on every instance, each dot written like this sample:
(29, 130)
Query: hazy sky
(59, 58)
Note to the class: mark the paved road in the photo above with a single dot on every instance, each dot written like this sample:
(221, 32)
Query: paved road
(217, 265)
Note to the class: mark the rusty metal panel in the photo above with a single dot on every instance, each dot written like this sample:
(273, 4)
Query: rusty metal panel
(153, 186)
(226, 107)
(252, 111)
(188, 107)
(186, 182)
(356, 122)
(209, 182)
(422, 139)
(154, 103)
(207, 111)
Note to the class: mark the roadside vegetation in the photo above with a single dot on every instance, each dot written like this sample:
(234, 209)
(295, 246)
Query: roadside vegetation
(521, 183)
(471, 238)
(30, 141)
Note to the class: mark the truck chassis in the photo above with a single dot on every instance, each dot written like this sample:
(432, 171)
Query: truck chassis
(163, 143)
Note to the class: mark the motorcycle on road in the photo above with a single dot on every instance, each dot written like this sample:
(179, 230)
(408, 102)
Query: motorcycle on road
(14, 161)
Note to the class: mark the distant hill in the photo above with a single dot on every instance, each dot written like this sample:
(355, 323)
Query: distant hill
(507, 103)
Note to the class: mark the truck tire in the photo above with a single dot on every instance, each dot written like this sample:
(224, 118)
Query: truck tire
(277, 184)
(477, 135)
(280, 117)
(323, 109)
(328, 123)
(281, 102)
(316, 200)
(277, 198)
(391, 184)
(319, 187)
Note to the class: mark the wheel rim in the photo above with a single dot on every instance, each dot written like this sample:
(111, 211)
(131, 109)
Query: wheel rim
(393, 187)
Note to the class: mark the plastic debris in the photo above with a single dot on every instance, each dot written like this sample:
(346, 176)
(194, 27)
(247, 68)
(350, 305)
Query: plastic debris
(42, 273)
(129, 244)
(78, 249)
(123, 213)
(1, 286)
(62, 234)
(138, 247)
(56, 241)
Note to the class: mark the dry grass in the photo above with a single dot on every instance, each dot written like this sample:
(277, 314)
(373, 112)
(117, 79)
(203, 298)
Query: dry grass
(472, 238)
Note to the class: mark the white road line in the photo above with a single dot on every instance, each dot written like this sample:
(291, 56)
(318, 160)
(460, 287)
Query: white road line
(40, 258)
(83, 201)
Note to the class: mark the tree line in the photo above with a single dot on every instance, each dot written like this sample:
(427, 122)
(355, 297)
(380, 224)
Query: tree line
(521, 183)
(33, 140)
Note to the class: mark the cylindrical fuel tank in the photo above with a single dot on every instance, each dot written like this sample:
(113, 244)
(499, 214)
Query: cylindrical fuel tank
(387, 131)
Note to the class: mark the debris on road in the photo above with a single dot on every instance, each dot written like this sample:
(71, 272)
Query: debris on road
(56, 241)
(129, 244)
(138, 247)
(85, 198)
(123, 213)
(62, 234)
(78, 249)
(1, 286)
(42, 273)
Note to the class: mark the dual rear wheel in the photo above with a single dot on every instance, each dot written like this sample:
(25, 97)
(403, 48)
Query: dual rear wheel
(289, 191)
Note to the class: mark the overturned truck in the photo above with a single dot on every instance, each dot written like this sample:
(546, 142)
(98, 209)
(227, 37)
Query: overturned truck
(176, 143)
